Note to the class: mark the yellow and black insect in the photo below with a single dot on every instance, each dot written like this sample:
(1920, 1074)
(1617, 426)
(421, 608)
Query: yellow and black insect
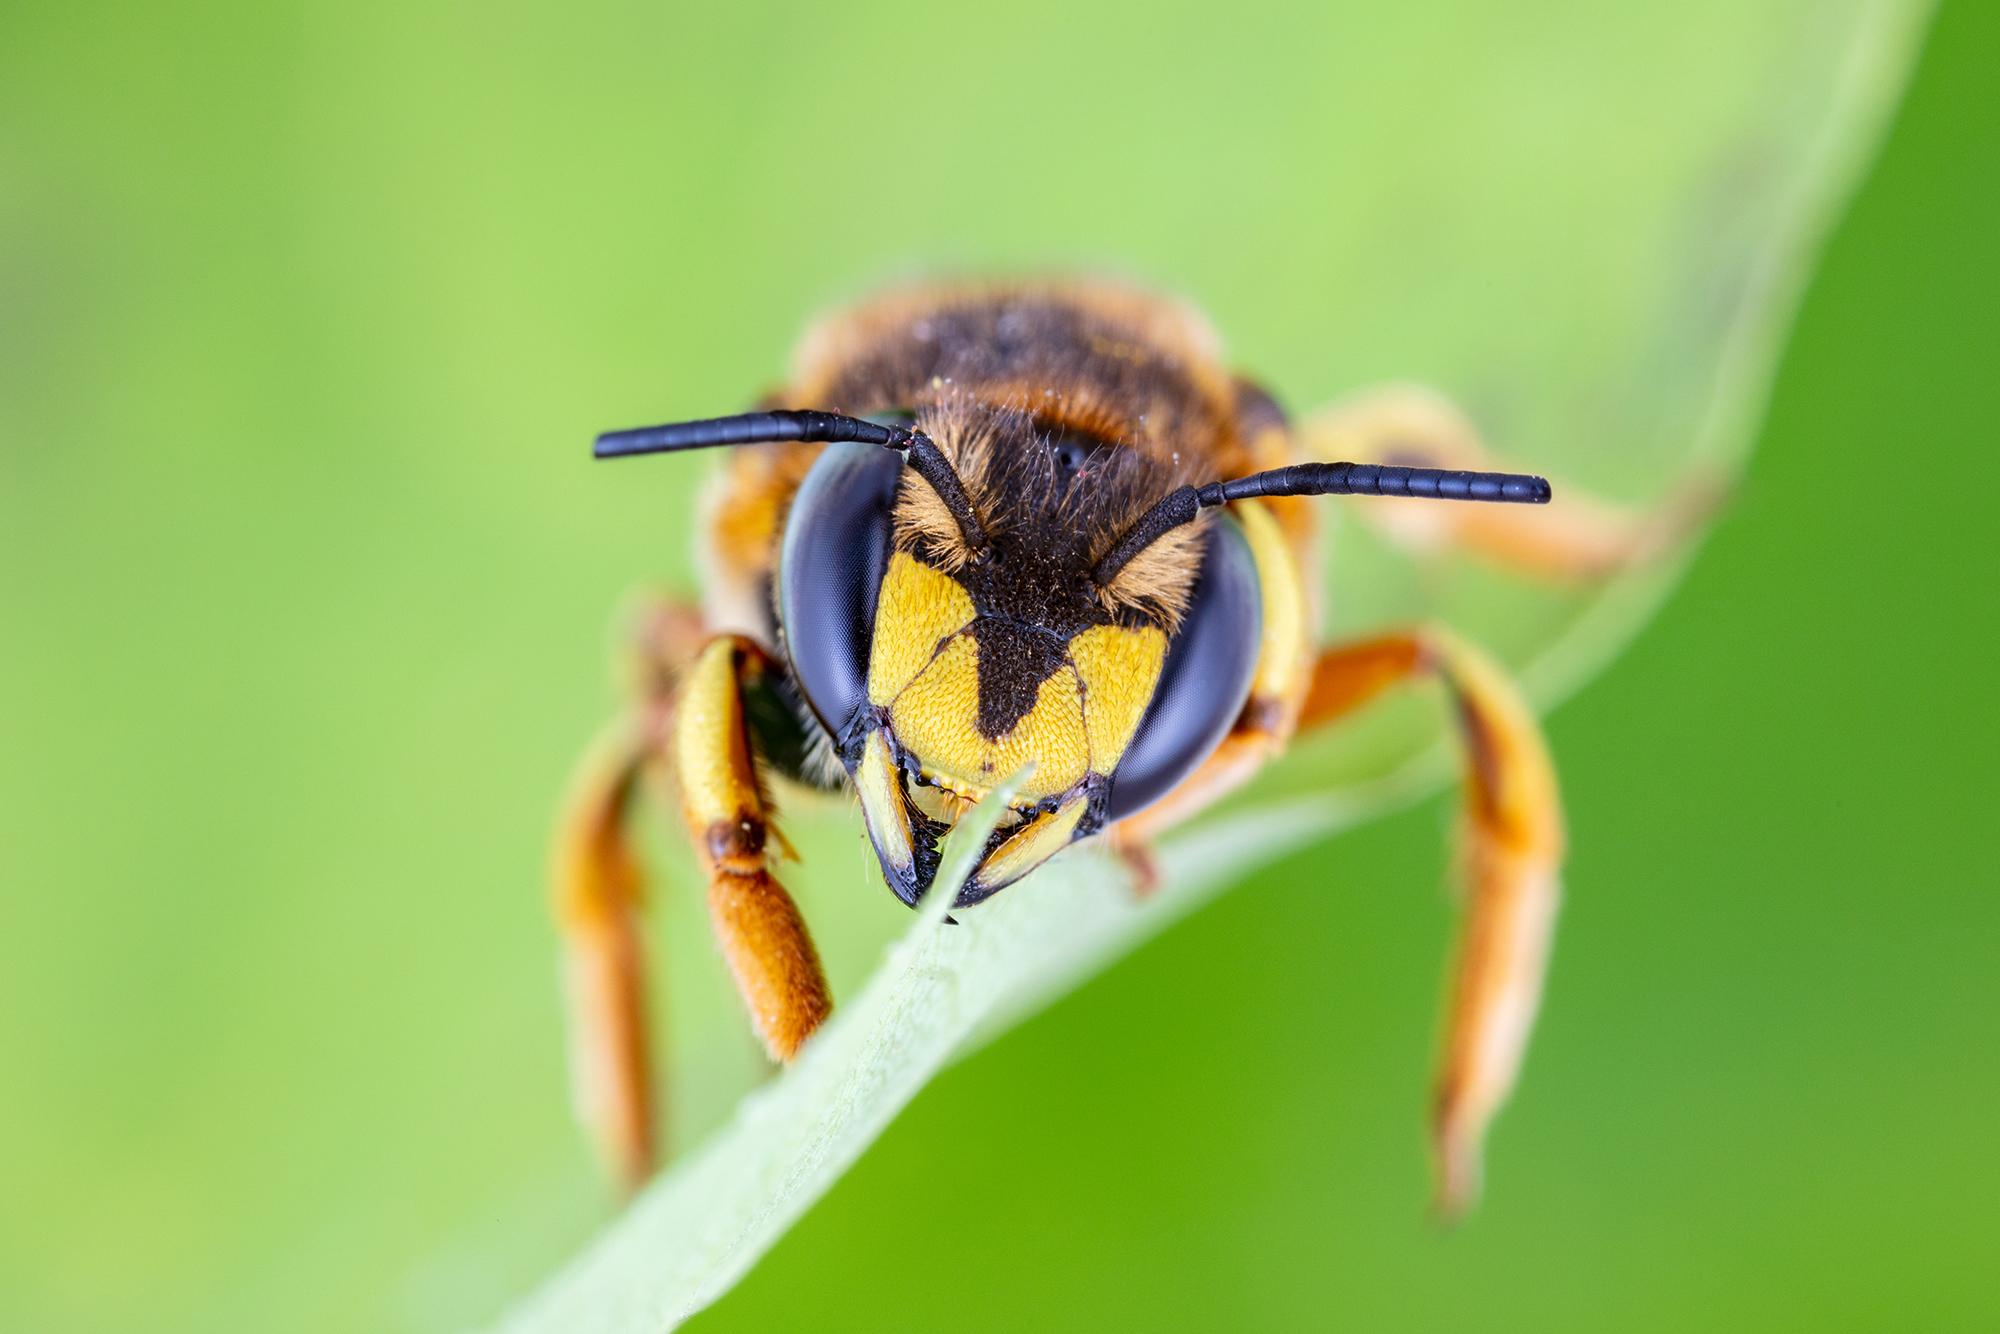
(992, 525)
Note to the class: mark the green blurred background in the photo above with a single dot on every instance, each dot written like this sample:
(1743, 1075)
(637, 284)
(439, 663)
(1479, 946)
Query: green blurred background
(306, 312)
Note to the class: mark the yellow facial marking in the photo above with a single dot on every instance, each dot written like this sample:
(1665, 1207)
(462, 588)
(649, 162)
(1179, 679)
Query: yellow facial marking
(1051, 736)
(935, 720)
(1035, 842)
(924, 670)
(880, 786)
(1119, 669)
(933, 716)
(917, 608)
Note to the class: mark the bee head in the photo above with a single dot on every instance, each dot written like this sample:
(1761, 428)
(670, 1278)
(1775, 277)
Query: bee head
(980, 597)
(976, 642)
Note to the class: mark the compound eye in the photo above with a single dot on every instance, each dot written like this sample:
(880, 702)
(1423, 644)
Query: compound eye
(1205, 679)
(829, 573)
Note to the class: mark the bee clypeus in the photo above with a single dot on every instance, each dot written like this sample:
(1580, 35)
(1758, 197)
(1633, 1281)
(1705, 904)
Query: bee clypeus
(990, 527)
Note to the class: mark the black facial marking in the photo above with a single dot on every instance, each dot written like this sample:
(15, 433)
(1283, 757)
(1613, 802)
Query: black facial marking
(1053, 497)
(1014, 660)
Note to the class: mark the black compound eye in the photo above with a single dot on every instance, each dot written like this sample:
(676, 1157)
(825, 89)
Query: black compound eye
(830, 572)
(1205, 679)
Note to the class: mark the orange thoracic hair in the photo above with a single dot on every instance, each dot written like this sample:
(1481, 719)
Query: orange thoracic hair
(1067, 410)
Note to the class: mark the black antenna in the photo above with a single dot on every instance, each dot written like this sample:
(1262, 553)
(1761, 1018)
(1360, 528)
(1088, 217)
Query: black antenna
(1317, 479)
(761, 428)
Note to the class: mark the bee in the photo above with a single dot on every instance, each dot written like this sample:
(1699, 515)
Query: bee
(992, 526)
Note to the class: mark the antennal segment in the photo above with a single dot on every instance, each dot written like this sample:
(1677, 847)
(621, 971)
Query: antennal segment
(1318, 479)
(807, 427)
(749, 428)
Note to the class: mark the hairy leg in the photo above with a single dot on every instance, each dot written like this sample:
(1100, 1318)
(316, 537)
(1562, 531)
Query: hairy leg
(1512, 851)
(1577, 537)
(597, 893)
(728, 816)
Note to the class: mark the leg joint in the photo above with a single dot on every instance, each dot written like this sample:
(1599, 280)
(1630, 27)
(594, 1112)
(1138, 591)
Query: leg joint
(737, 844)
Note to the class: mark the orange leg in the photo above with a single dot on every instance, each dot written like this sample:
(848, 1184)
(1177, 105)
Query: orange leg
(686, 715)
(597, 894)
(728, 816)
(1578, 536)
(1512, 852)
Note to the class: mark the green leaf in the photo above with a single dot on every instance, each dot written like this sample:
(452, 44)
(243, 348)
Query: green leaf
(1679, 240)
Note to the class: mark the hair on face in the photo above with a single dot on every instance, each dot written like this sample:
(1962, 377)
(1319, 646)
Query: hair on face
(1054, 501)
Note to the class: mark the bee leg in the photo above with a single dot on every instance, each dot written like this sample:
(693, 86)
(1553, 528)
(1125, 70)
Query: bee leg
(1142, 864)
(1511, 853)
(763, 938)
(1577, 537)
(597, 894)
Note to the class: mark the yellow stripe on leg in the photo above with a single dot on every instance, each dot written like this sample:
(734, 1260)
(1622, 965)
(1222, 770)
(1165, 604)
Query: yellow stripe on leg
(711, 747)
(770, 952)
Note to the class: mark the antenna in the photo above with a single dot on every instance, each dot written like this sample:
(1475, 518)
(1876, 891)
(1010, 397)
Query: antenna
(1317, 479)
(760, 428)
